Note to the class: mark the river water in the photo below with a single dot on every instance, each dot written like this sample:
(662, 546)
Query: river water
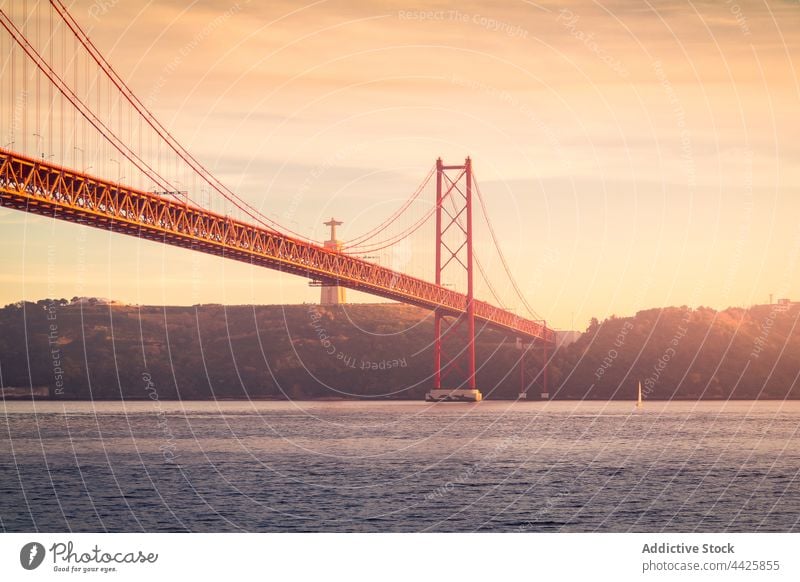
(400, 466)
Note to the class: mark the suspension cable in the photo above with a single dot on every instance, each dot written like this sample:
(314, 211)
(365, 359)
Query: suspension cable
(500, 252)
(360, 240)
(82, 108)
(162, 132)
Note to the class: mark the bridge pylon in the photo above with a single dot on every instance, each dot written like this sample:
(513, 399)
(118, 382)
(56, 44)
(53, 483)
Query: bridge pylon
(454, 378)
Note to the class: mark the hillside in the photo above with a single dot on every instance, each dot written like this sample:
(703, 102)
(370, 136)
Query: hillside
(87, 349)
(679, 352)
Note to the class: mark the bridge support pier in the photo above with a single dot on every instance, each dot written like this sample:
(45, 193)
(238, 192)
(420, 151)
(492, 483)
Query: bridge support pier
(454, 395)
(527, 378)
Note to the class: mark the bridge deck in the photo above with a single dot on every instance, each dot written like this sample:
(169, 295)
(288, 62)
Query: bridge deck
(47, 189)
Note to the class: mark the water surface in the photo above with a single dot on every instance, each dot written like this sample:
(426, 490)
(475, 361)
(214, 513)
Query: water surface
(400, 466)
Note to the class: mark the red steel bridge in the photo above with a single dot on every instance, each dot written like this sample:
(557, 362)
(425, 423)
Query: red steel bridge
(36, 184)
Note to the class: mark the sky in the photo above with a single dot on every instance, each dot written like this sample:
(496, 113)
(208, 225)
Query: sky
(631, 154)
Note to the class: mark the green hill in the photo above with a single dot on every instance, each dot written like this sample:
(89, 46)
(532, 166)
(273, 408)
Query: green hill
(687, 353)
(88, 349)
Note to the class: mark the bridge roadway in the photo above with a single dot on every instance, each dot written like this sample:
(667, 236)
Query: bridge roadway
(40, 187)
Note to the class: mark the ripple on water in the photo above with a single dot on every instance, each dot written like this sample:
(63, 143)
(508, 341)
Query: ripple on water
(400, 467)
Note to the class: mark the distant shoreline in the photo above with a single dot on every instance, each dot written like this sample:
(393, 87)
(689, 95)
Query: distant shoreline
(383, 399)
(92, 352)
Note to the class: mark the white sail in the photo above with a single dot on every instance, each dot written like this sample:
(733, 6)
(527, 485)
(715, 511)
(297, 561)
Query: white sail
(639, 403)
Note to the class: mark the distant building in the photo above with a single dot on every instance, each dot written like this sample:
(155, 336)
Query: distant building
(565, 337)
(784, 304)
(24, 392)
(93, 301)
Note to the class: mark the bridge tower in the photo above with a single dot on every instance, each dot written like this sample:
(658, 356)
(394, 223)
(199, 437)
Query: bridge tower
(454, 374)
(332, 294)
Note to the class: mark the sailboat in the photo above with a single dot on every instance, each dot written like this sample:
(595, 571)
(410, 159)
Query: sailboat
(639, 403)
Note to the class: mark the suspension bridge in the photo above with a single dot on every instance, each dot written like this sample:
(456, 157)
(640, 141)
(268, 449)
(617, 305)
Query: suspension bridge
(58, 88)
